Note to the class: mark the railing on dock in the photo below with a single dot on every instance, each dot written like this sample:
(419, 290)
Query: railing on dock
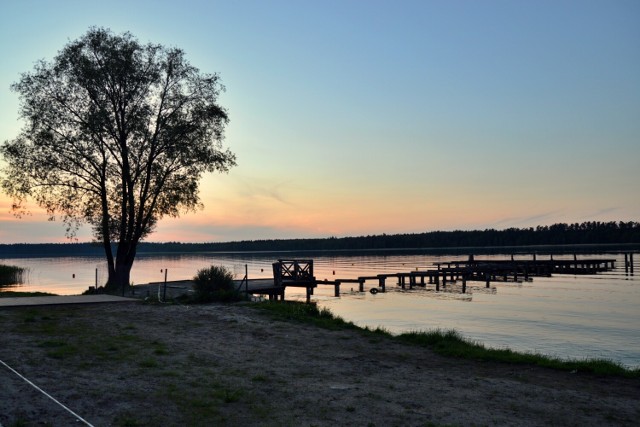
(299, 273)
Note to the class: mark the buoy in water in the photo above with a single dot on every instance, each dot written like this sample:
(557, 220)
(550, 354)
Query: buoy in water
(373, 291)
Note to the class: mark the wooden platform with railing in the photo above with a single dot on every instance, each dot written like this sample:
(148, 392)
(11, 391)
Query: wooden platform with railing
(299, 274)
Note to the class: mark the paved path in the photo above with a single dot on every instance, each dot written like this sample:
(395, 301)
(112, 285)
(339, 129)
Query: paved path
(63, 299)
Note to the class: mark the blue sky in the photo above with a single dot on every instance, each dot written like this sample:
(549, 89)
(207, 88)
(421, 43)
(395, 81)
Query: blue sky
(368, 117)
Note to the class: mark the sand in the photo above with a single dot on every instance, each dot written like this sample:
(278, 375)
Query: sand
(172, 365)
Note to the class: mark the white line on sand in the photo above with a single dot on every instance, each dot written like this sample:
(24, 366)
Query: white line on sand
(46, 394)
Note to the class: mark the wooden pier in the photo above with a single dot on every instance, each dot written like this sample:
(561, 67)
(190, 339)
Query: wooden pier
(299, 273)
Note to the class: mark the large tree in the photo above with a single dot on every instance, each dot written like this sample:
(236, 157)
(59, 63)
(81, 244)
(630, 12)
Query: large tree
(118, 134)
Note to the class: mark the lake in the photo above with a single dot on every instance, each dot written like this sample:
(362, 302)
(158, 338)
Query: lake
(568, 316)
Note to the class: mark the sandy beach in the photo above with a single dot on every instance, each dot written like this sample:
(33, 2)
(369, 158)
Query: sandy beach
(135, 364)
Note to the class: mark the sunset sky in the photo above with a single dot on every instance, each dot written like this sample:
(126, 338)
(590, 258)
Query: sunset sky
(369, 117)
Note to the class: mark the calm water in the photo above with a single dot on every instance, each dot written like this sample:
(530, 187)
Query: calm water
(596, 316)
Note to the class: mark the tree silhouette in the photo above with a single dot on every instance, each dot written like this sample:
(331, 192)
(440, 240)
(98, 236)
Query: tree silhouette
(117, 135)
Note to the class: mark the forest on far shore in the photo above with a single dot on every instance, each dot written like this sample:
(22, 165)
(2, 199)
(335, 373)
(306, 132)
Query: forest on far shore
(586, 233)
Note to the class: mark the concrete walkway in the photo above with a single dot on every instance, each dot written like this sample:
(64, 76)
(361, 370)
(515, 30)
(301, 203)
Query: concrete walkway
(63, 299)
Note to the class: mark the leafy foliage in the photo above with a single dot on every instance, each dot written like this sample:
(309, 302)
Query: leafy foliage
(118, 135)
(215, 284)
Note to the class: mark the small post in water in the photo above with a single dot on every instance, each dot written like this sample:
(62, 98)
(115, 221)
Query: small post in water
(246, 281)
(164, 292)
(626, 263)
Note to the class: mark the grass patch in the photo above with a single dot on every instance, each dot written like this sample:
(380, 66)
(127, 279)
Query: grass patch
(259, 378)
(58, 349)
(63, 335)
(127, 420)
(305, 313)
(446, 343)
(205, 401)
(451, 343)
(149, 363)
(159, 348)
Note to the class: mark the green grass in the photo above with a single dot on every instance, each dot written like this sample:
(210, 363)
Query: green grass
(446, 343)
(451, 343)
(66, 339)
(57, 349)
(310, 314)
(206, 399)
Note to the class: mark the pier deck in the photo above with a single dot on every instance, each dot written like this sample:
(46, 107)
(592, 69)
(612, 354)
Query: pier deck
(487, 271)
(299, 274)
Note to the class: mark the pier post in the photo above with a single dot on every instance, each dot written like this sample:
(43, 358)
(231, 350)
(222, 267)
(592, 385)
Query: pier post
(361, 285)
(626, 263)
(336, 290)
(381, 280)
(631, 263)
(438, 281)
(464, 283)
(164, 293)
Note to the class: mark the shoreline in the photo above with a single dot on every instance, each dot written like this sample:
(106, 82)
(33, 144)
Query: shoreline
(142, 364)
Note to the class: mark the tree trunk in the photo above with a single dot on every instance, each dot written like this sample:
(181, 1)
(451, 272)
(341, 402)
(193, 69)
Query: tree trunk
(111, 281)
(123, 276)
(120, 271)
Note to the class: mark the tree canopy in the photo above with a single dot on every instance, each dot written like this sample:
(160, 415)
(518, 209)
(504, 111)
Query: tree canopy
(118, 135)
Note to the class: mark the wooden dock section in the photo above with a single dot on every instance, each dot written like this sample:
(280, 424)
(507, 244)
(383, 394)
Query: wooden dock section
(299, 273)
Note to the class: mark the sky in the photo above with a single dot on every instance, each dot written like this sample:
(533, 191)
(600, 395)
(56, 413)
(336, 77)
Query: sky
(362, 117)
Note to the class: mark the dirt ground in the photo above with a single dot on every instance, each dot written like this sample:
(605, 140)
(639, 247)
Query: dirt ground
(133, 364)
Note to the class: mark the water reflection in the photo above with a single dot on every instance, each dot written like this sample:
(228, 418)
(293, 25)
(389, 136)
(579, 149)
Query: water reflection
(11, 276)
(566, 315)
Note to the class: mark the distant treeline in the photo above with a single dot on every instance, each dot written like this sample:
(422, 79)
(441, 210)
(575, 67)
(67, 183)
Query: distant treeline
(586, 233)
